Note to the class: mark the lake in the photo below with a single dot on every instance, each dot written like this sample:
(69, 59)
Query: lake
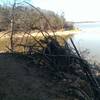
(89, 38)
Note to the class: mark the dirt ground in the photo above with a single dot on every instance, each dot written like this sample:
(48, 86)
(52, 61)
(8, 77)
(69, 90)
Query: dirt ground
(20, 81)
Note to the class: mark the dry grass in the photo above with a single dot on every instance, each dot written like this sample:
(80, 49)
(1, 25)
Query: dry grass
(55, 62)
(19, 39)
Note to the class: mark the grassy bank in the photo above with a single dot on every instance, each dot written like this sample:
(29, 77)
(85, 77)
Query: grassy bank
(27, 39)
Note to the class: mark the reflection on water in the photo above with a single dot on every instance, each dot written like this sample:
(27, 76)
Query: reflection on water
(89, 37)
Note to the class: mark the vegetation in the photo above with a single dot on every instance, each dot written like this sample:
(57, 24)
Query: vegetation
(26, 17)
(47, 68)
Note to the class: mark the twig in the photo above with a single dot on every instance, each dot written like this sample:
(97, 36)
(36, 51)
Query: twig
(43, 16)
(94, 84)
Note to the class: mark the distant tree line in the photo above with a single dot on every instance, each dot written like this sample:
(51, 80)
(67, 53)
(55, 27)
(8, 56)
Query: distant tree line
(27, 18)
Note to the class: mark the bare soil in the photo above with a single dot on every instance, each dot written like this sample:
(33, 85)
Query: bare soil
(21, 81)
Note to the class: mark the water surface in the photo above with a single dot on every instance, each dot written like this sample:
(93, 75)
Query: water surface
(89, 38)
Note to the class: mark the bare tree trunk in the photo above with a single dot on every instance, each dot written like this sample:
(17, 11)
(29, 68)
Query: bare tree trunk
(12, 27)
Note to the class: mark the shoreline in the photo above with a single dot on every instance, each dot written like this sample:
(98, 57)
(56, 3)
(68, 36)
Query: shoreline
(59, 33)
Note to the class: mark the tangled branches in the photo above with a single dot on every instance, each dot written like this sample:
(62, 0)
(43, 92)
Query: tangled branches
(57, 61)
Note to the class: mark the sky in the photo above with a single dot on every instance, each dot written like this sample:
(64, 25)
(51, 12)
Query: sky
(74, 10)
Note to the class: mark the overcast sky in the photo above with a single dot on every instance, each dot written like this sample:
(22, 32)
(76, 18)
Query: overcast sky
(74, 10)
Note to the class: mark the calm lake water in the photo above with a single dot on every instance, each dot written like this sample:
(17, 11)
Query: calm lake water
(89, 38)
